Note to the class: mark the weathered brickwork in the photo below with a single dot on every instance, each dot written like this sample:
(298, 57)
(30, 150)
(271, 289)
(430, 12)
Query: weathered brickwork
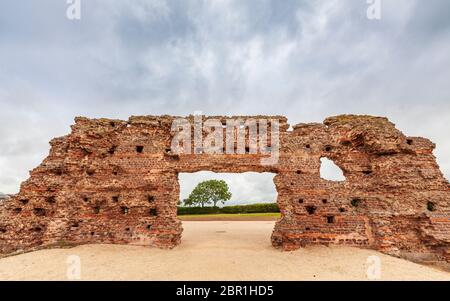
(114, 181)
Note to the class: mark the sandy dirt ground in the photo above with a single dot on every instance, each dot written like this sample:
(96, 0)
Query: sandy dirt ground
(210, 250)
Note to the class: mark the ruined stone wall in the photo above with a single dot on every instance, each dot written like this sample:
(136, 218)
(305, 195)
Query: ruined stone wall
(114, 181)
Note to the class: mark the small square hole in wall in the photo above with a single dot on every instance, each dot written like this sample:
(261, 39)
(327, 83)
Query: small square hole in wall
(149, 227)
(86, 199)
(24, 201)
(431, 206)
(115, 199)
(51, 200)
(151, 198)
(342, 209)
(324, 201)
(17, 210)
(330, 219)
(410, 141)
(311, 209)
(139, 149)
(153, 212)
(125, 210)
(39, 211)
(97, 209)
(112, 150)
(36, 229)
(355, 202)
(300, 201)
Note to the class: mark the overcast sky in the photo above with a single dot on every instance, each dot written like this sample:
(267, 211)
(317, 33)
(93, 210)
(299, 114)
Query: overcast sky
(303, 59)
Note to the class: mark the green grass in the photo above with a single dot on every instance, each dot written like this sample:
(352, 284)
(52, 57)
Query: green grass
(237, 216)
(235, 209)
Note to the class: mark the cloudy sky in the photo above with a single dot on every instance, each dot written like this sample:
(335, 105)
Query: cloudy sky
(303, 59)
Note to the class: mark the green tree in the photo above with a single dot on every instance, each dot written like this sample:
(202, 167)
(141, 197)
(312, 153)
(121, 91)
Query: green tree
(207, 192)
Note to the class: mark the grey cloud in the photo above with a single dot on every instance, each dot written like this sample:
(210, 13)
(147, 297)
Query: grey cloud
(431, 20)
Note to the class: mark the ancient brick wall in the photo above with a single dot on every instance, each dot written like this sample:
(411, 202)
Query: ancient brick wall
(115, 181)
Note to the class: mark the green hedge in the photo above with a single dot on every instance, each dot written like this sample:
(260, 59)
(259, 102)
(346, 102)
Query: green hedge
(253, 208)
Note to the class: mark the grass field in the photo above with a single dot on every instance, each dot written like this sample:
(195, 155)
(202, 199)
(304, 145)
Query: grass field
(231, 217)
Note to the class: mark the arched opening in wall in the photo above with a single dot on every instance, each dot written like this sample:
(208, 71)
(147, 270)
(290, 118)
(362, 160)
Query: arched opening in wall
(247, 217)
(330, 171)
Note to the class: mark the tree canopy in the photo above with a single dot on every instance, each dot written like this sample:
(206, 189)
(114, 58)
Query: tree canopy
(209, 192)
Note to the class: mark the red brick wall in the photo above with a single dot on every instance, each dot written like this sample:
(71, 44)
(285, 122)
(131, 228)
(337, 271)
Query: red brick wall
(95, 187)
